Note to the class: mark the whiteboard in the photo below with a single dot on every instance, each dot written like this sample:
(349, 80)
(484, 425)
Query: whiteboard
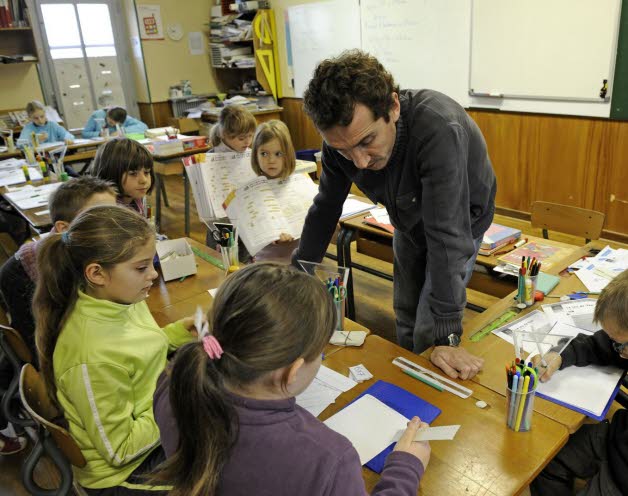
(423, 43)
(558, 49)
(319, 31)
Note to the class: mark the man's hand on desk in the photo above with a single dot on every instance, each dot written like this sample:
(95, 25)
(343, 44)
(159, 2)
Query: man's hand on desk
(456, 362)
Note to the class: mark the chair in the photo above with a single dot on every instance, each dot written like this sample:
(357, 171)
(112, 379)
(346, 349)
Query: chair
(53, 440)
(14, 350)
(576, 221)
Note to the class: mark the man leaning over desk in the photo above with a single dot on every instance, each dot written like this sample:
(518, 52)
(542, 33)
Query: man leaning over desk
(423, 157)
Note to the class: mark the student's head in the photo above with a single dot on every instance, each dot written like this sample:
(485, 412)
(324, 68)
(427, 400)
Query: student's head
(76, 195)
(107, 252)
(272, 340)
(354, 102)
(611, 312)
(36, 112)
(128, 165)
(273, 154)
(235, 127)
(115, 115)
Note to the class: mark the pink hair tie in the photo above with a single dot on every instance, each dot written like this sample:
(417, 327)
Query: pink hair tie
(212, 347)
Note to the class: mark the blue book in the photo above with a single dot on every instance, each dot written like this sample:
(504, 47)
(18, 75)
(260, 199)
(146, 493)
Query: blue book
(404, 402)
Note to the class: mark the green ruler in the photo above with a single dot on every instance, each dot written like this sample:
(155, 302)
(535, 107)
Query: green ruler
(498, 322)
(208, 258)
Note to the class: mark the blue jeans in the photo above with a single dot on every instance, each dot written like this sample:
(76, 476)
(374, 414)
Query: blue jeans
(411, 286)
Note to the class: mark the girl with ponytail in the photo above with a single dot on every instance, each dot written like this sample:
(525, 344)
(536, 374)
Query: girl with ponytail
(100, 350)
(226, 409)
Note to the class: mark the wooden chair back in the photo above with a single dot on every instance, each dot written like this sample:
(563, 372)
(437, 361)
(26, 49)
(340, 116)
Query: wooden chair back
(16, 343)
(566, 219)
(38, 404)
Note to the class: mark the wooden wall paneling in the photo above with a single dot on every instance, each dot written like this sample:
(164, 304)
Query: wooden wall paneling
(568, 160)
(512, 144)
(302, 130)
(157, 114)
(611, 195)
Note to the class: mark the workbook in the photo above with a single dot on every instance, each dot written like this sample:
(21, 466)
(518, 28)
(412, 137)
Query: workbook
(262, 209)
(546, 254)
(497, 236)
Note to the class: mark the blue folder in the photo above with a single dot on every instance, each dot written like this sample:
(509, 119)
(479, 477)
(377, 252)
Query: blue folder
(404, 402)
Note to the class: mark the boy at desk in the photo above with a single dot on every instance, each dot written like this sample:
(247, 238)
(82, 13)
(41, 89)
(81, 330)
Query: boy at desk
(106, 121)
(597, 452)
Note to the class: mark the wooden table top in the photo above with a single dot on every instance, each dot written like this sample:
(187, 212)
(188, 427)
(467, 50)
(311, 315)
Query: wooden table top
(498, 352)
(37, 221)
(357, 224)
(481, 460)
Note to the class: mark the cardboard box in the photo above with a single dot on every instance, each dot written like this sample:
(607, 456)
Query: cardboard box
(184, 125)
(176, 259)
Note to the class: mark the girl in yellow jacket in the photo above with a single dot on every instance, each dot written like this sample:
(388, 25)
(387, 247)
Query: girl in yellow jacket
(100, 349)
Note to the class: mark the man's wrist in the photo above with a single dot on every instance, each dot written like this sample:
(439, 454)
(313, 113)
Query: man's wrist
(450, 340)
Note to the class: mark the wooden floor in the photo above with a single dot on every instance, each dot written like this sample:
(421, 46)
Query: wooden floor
(373, 300)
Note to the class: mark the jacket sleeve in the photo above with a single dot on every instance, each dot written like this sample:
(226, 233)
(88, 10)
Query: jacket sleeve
(118, 432)
(325, 211)
(91, 129)
(134, 126)
(400, 476)
(595, 349)
(61, 133)
(26, 133)
(177, 335)
(447, 221)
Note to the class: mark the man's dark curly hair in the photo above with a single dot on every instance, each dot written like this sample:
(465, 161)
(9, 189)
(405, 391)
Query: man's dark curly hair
(339, 83)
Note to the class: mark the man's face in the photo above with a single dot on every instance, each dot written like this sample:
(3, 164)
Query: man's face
(367, 142)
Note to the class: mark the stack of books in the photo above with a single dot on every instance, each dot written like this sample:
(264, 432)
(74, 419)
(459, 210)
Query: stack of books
(496, 237)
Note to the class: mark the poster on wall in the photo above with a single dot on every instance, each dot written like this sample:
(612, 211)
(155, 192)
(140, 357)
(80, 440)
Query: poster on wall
(151, 27)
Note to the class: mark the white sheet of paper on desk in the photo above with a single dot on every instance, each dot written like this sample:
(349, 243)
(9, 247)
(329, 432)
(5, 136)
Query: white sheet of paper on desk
(351, 207)
(323, 390)
(369, 424)
(380, 214)
(212, 292)
(578, 313)
(439, 433)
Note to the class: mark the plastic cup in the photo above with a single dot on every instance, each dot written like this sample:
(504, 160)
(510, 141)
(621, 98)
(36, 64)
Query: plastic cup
(230, 258)
(519, 409)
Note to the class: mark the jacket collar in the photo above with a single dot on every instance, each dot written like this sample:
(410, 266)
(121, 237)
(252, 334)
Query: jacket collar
(263, 412)
(95, 307)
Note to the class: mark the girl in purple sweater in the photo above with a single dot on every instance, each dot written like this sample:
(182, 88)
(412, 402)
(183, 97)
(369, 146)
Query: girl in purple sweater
(226, 409)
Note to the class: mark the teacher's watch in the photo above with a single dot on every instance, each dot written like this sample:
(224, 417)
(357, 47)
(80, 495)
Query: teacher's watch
(451, 340)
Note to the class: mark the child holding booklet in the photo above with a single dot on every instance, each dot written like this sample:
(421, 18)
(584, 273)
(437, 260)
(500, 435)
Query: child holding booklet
(226, 409)
(597, 452)
(273, 157)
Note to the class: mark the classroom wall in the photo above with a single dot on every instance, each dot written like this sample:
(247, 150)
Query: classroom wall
(167, 61)
(20, 84)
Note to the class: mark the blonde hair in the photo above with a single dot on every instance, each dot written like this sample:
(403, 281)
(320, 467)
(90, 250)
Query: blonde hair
(233, 121)
(34, 106)
(268, 131)
(613, 302)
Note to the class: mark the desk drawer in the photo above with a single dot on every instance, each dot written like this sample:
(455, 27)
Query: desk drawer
(381, 249)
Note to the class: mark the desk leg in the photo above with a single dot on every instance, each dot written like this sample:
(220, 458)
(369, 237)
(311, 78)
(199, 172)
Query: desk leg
(186, 189)
(157, 202)
(343, 246)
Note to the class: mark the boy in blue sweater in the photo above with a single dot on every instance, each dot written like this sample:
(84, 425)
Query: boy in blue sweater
(46, 131)
(107, 119)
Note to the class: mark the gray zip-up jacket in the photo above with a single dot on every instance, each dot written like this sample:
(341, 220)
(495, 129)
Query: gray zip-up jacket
(438, 187)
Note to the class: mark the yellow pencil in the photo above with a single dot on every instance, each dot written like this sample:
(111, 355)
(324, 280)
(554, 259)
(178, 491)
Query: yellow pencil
(522, 401)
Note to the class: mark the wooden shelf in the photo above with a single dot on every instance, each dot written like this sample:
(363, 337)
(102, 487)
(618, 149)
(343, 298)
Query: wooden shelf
(20, 62)
(16, 29)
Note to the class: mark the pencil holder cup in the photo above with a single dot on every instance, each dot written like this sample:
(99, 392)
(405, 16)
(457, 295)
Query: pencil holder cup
(530, 289)
(230, 258)
(339, 305)
(519, 409)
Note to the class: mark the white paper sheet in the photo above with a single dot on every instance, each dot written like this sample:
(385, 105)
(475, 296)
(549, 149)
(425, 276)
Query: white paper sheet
(578, 313)
(440, 433)
(353, 206)
(323, 391)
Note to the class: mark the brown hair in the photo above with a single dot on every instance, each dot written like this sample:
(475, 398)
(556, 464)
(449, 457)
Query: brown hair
(34, 106)
(613, 302)
(260, 331)
(107, 235)
(342, 82)
(117, 114)
(70, 197)
(119, 156)
(268, 131)
(234, 120)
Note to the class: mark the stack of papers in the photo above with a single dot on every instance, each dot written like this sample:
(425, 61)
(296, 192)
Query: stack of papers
(323, 391)
(353, 206)
(596, 272)
(29, 196)
(11, 172)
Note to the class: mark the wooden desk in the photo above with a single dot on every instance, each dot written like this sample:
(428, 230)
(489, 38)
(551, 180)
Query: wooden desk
(38, 222)
(7, 155)
(497, 352)
(171, 165)
(481, 460)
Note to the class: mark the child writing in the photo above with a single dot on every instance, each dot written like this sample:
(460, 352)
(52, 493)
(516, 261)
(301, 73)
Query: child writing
(105, 122)
(273, 156)
(234, 130)
(100, 350)
(45, 130)
(129, 166)
(229, 402)
(597, 452)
